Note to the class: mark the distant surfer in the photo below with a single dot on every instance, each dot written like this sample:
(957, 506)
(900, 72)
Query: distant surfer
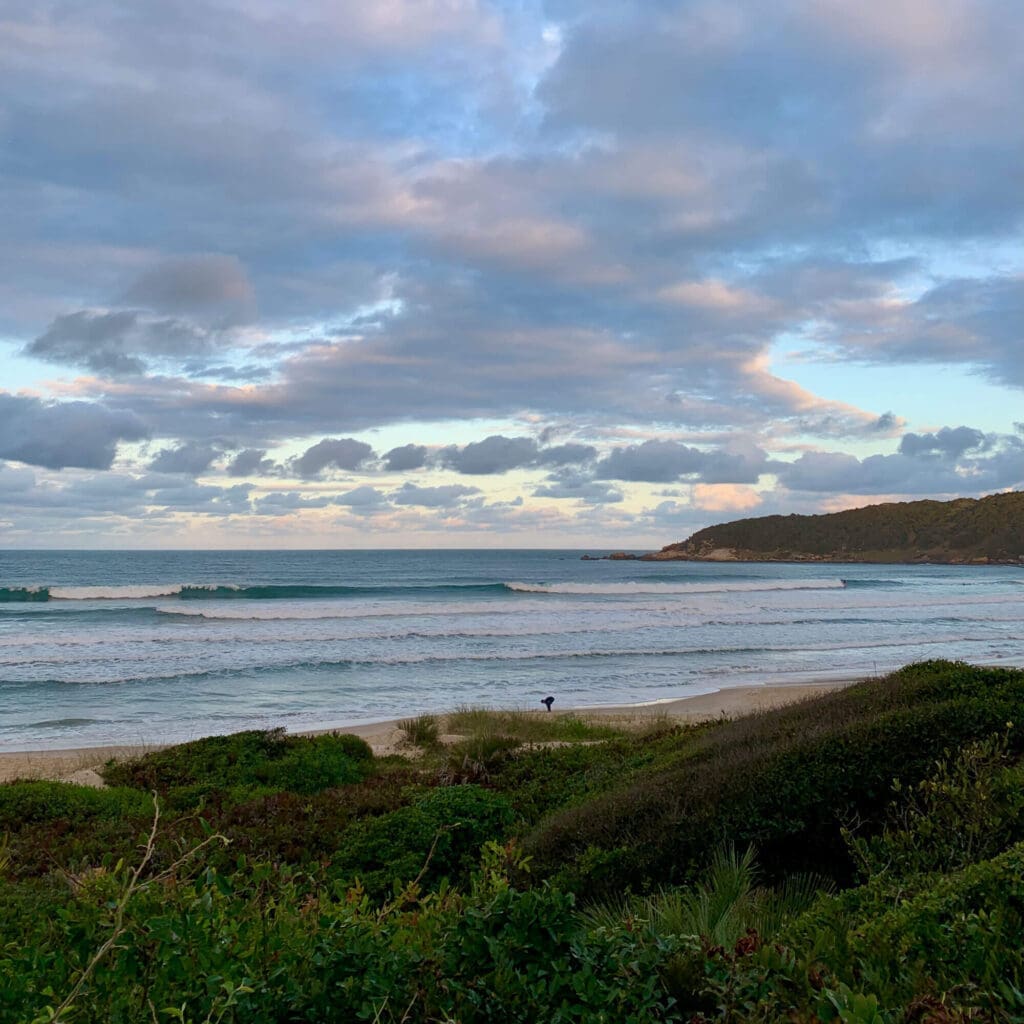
(547, 702)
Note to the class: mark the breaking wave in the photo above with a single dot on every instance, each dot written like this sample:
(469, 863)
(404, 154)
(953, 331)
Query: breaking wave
(674, 588)
(224, 591)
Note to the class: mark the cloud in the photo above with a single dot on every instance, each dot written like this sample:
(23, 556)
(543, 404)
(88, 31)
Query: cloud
(736, 464)
(148, 496)
(249, 462)
(937, 464)
(108, 342)
(285, 502)
(191, 457)
(484, 231)
(949, 442)
(566, 454)
(494, 454)
(499, 454)
(973, 322)
(361, 497)
(15, 480)
(212, 288)
(344, 453)
(571, 483)
(445, 496)
(406, 457)
(203, 499)
(651, 461)
(665, 462)
(838, 472)
(61, 434)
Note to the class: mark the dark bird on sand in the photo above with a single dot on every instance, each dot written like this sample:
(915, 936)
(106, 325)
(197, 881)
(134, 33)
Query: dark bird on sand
(547, 702)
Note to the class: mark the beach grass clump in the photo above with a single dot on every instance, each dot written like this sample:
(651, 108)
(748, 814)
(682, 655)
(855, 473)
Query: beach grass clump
(256, 758)
(726, 903)
(421, 731)
(527, 726)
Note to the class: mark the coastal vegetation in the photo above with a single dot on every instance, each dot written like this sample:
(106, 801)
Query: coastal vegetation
(966, 530)
(855, 857)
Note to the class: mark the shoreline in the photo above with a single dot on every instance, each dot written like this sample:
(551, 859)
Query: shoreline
(80, 764)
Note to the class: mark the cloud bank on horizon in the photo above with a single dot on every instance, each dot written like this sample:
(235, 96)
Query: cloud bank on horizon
(472, 273)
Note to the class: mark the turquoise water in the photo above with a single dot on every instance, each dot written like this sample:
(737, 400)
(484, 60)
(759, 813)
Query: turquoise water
(142, 647)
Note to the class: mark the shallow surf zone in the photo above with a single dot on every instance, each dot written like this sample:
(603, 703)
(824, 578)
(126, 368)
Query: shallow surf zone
(114, 648)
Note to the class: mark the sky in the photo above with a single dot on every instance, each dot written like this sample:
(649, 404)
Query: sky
(469, 273)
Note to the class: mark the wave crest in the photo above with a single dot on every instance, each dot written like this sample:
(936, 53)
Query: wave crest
(226, 591)
(674, 588)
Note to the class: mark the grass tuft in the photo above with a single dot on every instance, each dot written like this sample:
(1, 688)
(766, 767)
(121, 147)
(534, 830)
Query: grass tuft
(422, 731)
(527, 726)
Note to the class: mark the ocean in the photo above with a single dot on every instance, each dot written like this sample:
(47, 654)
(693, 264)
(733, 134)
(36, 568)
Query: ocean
(155, 646)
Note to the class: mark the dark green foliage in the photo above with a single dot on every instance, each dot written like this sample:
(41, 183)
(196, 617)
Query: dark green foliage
(30, 803)
(785, 780)
(991, 528)
(437, 836)
(392, 899)
(354, 746)
(954, 949)
(267, 759)
(539, 780)
(968, 810)
(967, 929)
(265, 950)
(285, 827)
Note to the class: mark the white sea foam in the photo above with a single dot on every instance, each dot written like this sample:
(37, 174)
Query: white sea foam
(675, 588)
(306, 609)
(114, 593)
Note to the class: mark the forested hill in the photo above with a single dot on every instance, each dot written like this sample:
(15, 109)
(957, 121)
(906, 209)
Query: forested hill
(965, 530)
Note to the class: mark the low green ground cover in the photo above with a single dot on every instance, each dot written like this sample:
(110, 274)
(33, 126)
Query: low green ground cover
(527, 726)
(859, 857)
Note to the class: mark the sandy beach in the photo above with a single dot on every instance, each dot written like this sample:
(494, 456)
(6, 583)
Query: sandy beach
(80, 764)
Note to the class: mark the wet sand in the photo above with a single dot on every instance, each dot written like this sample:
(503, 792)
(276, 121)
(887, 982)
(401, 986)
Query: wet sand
(80, 764)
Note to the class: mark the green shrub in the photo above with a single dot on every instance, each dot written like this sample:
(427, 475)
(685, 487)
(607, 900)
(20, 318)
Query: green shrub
(969, 810)
(287, 827)
(322, 762)
(255, 759)
(28, 803)
(784, 780)
(539, 780)
(355, 746)
(437, 836)
(967, 930)
(959, 935)
(255, 947)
